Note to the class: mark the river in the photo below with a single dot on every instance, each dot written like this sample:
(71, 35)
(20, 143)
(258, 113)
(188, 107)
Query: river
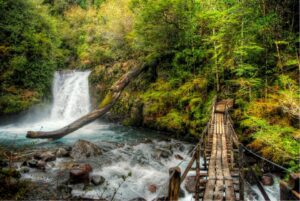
(129, 151)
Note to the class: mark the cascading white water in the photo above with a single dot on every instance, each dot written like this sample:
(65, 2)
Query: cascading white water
(71, 100)
(71, 95)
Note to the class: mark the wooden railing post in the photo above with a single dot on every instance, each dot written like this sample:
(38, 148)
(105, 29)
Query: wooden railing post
(290, 190)
(174, 183)
(204, 154)
(241, 176)
(197, 172)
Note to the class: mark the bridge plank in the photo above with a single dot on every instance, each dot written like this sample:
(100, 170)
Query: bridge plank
(220, 184)
(218, 193)
(208, 194)
(229, 188)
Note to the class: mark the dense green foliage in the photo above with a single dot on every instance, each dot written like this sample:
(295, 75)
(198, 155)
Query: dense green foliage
(29, 46)
(246, 50)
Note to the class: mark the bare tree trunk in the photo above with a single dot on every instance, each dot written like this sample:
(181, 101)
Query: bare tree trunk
(107, 103)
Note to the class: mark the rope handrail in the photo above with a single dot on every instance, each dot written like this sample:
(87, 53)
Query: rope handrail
(249, 150)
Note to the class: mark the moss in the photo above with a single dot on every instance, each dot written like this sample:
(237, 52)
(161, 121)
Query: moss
(14, 103)
(106, 101)
(172, 121)
(272, 141)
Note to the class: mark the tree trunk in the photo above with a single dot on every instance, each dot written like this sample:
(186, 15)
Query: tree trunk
(107, 103)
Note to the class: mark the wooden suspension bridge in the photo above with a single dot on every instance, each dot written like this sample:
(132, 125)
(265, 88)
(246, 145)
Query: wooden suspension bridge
(221, 176)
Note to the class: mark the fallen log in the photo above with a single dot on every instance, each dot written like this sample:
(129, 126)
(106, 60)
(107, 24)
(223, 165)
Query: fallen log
(107, 103)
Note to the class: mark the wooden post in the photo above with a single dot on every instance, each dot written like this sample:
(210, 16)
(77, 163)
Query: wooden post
(290, 190)
(174, 183)
(197, 172)
(241, 177)
(204, 154)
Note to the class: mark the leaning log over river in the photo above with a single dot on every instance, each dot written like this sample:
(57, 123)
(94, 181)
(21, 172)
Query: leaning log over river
(107, 103)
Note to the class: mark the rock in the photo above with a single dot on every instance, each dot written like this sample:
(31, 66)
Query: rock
(179, 146)
(13, 181)
(138, 199)
(64, 191)
(97, 180)
(41, 165)
(178, 157)
(136, 113)
(11, 172)
(152, 188)
(165, 153)
(79, 187)
(80, 173)
(181, 193)
(68, 148)
(25, 163)
(24, 170)
(50, 164)
(45, 156)
(83, 149)
(61, 152)
(190, 184)
(3, 163)
(139, 158)
(32, 163)
(160, 199)
(147, 141)
(267, 180)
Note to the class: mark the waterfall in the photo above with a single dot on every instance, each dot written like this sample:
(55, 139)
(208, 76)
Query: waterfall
(71, 98)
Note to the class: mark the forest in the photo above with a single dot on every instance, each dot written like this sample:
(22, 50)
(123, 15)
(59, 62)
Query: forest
(244, 50)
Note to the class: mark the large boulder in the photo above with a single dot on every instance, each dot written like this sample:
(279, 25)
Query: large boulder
(80, 173)
(83, 149)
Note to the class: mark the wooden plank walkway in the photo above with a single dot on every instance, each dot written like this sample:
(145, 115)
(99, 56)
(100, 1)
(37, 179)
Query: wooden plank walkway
(220, 184)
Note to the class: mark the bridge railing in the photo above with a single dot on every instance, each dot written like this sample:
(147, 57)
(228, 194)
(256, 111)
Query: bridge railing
(198, 152)
(288, 190)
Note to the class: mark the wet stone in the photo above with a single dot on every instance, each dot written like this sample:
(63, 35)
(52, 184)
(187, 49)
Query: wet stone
(160, 199)
(138, 199)
(80, 173)
(181, 193)
(24, 170)
(152, 188)
(64, 190)
(190, 184)
(45, 156)
(83, 149)
(97, 179)
(79, 187)
(61, 152)
(3, 163)
(178, 157)
(267, 180)
(41, 165)
(10, 172)
(32, 163)
(165, 153)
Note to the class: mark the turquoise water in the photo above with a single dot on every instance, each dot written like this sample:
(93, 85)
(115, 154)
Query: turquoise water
(136, 155)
